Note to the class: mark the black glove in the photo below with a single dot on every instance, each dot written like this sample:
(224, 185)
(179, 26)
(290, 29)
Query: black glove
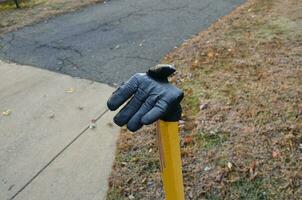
(153, 98)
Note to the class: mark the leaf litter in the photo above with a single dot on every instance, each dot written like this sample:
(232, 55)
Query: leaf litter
(247, 143)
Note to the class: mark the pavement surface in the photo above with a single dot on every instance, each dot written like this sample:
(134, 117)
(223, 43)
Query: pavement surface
(109, 42)
(47, 149)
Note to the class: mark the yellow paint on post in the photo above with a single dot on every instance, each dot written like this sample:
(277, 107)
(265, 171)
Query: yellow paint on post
(170, 160)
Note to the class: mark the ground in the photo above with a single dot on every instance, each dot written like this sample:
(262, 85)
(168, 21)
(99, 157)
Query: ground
(52, 151)
(35, 10)
(241, 130)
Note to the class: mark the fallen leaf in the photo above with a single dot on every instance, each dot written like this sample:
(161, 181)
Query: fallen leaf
(70, 90)
(195, 64)
(6, 113)
(253, 167)
(253, 176)
(207, 168)
(80, 107)
(203, 106)
(109, 124)
(188, 139)
(189, 91)
(144, 180)
(230, 165)
(181, 123)
(231, 50)
(219, 177)
(92, 124)
(51, 116)
(275, 154)
(129, 180)
(300, 110)
(211, 54)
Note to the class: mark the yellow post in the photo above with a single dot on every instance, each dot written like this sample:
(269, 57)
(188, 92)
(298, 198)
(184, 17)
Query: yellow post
(170, 160)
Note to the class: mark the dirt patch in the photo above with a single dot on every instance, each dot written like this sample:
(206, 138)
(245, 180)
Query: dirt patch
(243, 112)
(35, 10)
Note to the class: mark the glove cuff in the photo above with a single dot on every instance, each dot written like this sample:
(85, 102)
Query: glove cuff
(161, 72)
(173, 115)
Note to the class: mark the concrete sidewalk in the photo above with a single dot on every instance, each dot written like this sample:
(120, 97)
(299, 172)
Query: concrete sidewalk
(47, 149)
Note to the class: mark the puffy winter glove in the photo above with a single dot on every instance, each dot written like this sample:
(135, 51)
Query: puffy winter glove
(152, 98)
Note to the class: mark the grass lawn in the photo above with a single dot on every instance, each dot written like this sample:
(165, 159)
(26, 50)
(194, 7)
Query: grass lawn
(241, 134)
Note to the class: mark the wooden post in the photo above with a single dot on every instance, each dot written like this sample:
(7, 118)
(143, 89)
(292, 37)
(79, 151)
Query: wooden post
(170, 159)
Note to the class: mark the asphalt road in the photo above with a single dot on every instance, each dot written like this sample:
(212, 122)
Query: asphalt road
(109, 42)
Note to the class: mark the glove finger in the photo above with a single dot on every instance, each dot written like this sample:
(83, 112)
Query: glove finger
(127, 112)
(135, 122)
(123, 93)
(155, 113)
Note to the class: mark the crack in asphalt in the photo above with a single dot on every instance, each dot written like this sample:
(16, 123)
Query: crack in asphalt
(68, 62)
(105, 26)
(12, 38)
(168, 9)
(64, 63)
(3, 45)
(89, 37)
(130, 57)
(60, 48)
(199, 9)
(139, 58)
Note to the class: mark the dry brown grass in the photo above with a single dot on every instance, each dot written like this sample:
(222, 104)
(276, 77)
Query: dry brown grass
(35, 10)
(247, 142)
